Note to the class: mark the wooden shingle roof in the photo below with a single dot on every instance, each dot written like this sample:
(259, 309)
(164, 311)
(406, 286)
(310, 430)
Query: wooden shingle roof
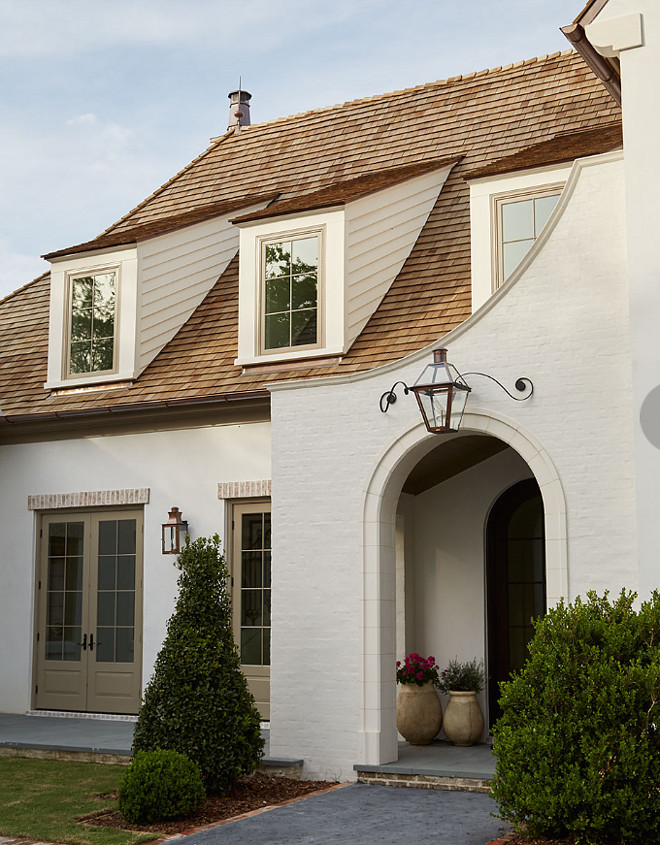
(483, 117)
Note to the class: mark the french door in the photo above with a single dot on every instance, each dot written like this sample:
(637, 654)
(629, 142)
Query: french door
(89, 612)
(251, 580)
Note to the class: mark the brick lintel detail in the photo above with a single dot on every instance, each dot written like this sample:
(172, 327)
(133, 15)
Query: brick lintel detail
(89, 499)
(243, 489)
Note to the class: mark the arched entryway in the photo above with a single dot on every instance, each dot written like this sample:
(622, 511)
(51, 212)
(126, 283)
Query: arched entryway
(378, 740)
(515, 579)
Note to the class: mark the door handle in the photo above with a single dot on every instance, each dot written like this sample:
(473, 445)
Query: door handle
(84, 642)
(91, 642)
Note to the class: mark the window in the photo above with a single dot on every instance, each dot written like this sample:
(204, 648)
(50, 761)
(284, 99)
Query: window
(92, 322)
(290, 293)
(518, 223)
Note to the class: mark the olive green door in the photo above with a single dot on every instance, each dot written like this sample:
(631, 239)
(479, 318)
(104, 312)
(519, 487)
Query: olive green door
(89, 612)
(251, 580)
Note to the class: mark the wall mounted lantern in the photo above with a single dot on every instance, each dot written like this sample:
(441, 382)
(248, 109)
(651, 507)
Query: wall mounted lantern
(175, 530)
(442, 393)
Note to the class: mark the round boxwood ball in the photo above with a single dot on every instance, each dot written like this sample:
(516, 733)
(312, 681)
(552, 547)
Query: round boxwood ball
(160, 785)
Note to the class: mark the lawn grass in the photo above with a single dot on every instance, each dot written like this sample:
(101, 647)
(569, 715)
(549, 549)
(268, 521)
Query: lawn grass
(42, 799)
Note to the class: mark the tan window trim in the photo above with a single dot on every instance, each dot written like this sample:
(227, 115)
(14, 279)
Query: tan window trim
(497, 201)
(67, 375)
(295, 234)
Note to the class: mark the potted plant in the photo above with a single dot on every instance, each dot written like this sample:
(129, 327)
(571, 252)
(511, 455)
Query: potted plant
(418, 707)
(462, 680)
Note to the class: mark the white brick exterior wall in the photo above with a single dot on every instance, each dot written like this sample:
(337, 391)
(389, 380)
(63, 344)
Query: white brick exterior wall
(337, 462)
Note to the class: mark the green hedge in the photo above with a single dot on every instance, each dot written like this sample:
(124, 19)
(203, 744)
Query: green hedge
(197, 701)
(577, 746)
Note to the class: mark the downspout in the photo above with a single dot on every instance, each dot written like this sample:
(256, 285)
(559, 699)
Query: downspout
(603, 69)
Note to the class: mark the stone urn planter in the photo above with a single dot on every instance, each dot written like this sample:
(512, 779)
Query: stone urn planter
(418, 713)
(464, 721)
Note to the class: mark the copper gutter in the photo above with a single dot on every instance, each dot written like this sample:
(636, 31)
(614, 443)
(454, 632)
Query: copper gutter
(134, 407)
(604, 70)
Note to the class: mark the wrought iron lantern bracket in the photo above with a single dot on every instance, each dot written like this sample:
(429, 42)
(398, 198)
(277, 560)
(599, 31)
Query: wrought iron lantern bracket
(442, 394)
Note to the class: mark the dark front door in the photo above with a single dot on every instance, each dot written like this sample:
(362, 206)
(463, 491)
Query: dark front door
(516, 581)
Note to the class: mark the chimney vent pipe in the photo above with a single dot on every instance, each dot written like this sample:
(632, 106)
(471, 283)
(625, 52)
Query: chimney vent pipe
(239, 109)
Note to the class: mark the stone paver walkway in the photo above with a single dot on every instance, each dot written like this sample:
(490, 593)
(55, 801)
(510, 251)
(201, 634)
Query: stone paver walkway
(368, 815)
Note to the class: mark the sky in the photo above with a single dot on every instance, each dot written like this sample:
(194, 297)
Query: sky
(102, 101)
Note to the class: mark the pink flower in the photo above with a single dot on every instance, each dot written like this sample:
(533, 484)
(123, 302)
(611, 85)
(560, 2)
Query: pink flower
(420, 675)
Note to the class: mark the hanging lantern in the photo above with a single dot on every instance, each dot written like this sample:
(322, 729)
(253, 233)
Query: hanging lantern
(441, 393)
(174, 532)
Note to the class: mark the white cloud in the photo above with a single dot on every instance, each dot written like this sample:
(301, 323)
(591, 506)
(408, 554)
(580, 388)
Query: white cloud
(46, 27)
(103, 141)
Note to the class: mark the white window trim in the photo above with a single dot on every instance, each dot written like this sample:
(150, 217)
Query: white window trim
(331, 331)
(497, 202)
(279, 237)
(481, 222)
(67, 375)
(124, 262)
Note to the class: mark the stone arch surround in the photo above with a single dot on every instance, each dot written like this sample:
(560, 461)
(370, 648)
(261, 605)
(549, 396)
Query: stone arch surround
(378, 737)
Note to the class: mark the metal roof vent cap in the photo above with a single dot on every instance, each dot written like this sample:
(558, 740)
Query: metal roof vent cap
(239, 109)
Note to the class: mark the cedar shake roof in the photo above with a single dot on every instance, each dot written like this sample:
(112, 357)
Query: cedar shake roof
(484, 117)
(561, 148)
(352, 189)
(144, 231)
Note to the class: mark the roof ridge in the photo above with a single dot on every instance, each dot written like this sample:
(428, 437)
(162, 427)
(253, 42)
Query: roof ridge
(24, 287)
(214, 143)
(421, 86)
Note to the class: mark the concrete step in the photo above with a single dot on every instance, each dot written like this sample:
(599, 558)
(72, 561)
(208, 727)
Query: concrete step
(275, 766)
(446, 782)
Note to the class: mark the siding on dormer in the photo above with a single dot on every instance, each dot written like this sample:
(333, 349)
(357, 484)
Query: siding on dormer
(381, 230)
(175, 273)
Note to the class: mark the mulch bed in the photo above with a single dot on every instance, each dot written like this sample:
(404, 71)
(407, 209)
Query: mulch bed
(251, 793)
(521, 839)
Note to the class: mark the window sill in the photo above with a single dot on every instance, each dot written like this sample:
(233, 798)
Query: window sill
(96, 380)
(290, 355)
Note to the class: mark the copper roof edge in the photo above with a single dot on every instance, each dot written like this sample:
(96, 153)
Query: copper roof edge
(590, 11)
(133, 407)
(605, 70)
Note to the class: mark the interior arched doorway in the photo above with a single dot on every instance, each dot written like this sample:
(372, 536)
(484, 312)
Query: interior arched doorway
(381, 625)
(515, 581)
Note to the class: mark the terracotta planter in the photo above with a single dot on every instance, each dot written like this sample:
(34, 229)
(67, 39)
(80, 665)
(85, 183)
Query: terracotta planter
(418, 713)
(464, 721)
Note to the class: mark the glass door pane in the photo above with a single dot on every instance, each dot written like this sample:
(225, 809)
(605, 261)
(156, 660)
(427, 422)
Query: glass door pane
(115, 599)
(64, 598)
(255, 589)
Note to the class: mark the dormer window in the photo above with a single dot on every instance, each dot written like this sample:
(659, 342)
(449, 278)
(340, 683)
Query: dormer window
(92, 322)
(518, 220)
(94, 318)
(314, 268)
(290, 292)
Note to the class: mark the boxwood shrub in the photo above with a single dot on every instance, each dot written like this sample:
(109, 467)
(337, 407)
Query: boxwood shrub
(577, 746)
(160, 785)
(197, 701)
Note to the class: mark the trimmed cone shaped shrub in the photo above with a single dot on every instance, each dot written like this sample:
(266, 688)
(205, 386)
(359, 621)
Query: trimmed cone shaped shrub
(577, 746)
(160, 785)
(197, 701)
